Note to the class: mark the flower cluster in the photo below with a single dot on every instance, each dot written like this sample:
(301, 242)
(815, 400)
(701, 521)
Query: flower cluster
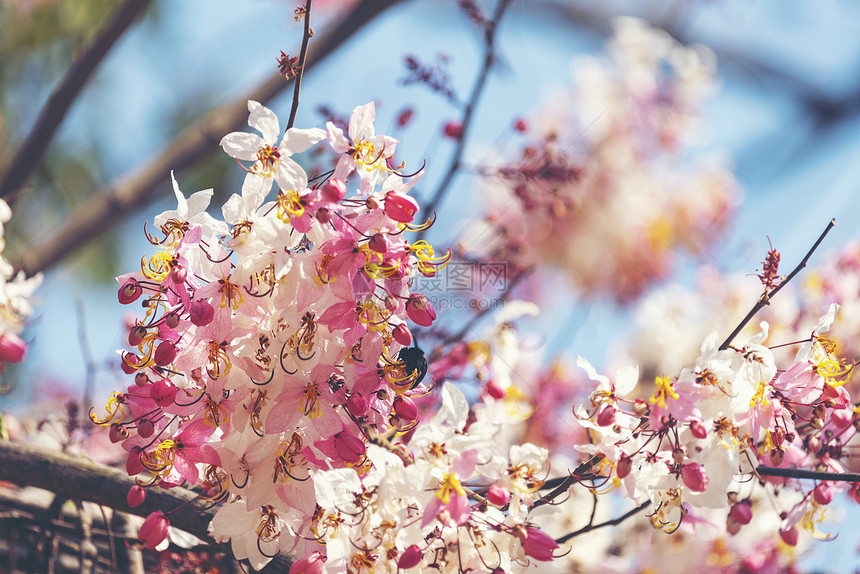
(607, 192)
(15, 308)
(275, 342)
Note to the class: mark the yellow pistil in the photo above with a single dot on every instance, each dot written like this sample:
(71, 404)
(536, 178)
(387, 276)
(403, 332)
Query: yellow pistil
(365, 155)
(115, 412)
(160, 461)
(289, 205)
(219, 360)
(267, 161)
(158, 267)
(372, 317)
(428, 262)
(760, 396)
(231, 294)
(450, 484)
(664, 389)
(310, 405)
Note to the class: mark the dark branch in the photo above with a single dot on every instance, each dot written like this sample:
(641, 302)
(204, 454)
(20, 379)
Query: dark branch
(489, 57)
(613, 522)
(51, 117)
(765, 298)
(301, 65)
(808, 474)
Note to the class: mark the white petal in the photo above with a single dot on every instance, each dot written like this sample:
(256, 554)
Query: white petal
(298, 140)
(242, 145)
(265, 121)
(361, 122)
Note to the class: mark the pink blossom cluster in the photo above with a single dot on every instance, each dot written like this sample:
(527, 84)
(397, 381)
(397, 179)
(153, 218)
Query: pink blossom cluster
(607, 192)
(275, 342)
(16, 290)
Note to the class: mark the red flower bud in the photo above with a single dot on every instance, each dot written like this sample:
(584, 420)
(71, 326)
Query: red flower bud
(625, 465)
(117, 433)
(172, 319)
(453, 130)
(178, 274)
(201, 312)
(378, 243)
(419, 309)
(694, 477)
(697, 429)
(349, 447)
(741, 512)
(311, 564)
(521, 125)
(12, 348)
(789, 536)
(539, 545)
(153, 531)
(404, 117)
(607, 416)
(823, 494)
(357, 405)
(498, 495)
(129, 292)
(400, 207)
(334, 190)
(494, 390)
(129, 360)
(402, 335)
(162, 391)
(136, 335)
(145, 428)
(410, 557)
(405, 408)
(136, 496)
(133, 466)
(165, 353)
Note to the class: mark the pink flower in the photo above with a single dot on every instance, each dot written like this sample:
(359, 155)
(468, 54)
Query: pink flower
(498, 495)
(400, 207)
(694, 477)
(410, 557)
(311, 564)
(419, 309)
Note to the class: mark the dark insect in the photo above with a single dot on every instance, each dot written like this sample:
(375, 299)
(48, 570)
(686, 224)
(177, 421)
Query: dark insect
(413, 361)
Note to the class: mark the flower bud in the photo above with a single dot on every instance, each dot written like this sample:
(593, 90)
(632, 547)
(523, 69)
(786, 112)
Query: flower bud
(349, 447)
(453, 130)
(378, 243)
(153, 531)
(498, 495)
(136, 335)
(607, 416)
(405, 408)
(521, 125)
(403, 118)
(133, 465)
(410, 557)
(624, 466)
(165, 353)
(145, 428)
(419, 309)
(178, 274)
(136, 495)
(172, 319)
(129, 292)
(539, 545)
(400, 207)
(201, 313)
(313, 563)
(357, 405)
(402, 335)
(334, 190)
(789, 536)
(694, 477)
(117, 433)
(162, 392)
(697, 429)
(823, 494)
(494, 390)
(741, 512)
(12, 348)
(129, 362)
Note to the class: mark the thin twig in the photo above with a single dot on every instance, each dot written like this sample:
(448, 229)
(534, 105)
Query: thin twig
(33, 148)
(808, 474)
(133, 190)
(766, 297)
(489, 57)
(613, 522)
(301, 70)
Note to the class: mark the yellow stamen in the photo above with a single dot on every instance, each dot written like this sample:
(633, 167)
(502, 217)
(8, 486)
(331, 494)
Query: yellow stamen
(664, 389)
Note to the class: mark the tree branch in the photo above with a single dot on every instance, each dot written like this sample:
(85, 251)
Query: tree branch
(489, 56)
(613, 522)
(135, 189)
(808, 474)
(30, 152)
(302, 59)
(765, 298)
